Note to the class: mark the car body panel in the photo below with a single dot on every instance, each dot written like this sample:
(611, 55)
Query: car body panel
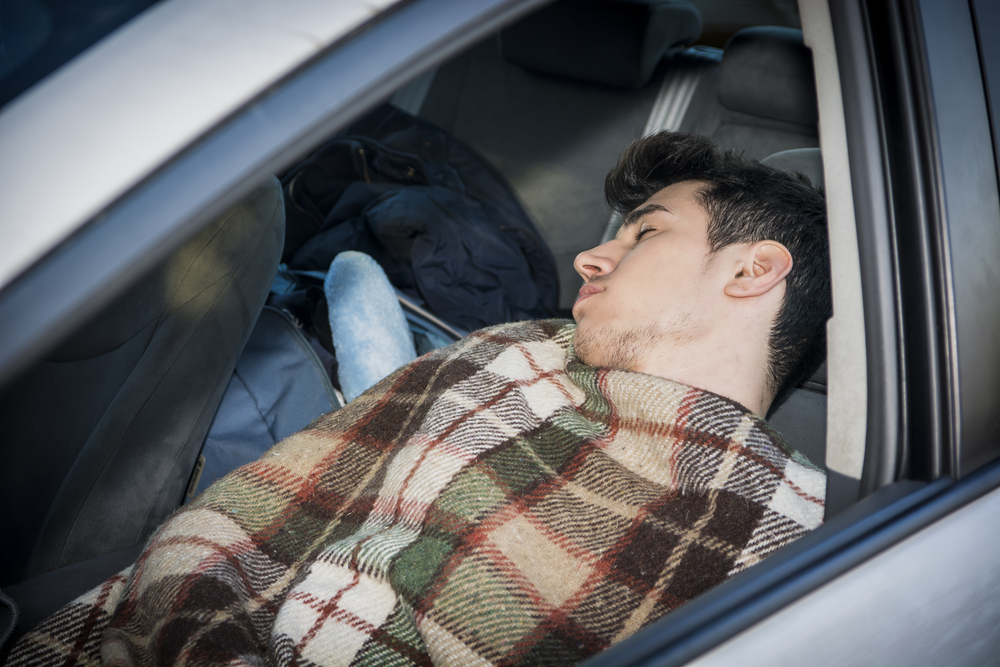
(970, 205)
(909, 605)
(86, 134)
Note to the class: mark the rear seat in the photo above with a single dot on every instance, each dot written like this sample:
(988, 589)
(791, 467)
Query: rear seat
(759, 98)
(552, 110)
(552, 121)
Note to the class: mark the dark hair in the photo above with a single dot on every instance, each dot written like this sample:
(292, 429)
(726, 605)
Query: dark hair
(746, 202)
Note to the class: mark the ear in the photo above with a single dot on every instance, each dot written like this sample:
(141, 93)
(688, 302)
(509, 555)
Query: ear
(764, 266)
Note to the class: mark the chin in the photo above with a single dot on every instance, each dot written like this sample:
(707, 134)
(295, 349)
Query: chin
(582, 345)
(608, 346)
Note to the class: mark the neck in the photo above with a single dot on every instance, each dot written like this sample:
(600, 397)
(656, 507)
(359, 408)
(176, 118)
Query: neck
(734, 366)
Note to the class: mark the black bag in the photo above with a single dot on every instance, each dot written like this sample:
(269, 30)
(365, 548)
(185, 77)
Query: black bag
(280, 385)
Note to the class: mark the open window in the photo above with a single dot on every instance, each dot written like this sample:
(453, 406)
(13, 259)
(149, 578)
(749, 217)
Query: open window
(895, 416)
(546, 93)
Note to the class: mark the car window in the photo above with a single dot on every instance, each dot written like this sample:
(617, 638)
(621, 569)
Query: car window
(550, 136)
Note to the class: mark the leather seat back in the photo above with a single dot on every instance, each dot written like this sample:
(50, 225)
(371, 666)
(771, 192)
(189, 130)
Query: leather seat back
(100, 436)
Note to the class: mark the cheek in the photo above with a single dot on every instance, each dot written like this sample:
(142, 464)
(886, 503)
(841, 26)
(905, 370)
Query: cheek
(665, 301)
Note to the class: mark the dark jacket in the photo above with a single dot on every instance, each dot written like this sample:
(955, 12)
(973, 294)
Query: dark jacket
(443, 224)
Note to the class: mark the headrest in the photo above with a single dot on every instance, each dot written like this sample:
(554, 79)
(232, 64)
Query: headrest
(806, 161)
(617, 42)
(767, 71)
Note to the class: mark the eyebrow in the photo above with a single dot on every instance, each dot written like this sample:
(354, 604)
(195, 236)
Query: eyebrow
(639, 213)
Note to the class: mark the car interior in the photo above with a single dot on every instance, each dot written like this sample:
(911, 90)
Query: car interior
(223, 339)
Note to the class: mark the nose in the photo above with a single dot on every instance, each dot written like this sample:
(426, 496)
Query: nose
(598, 261)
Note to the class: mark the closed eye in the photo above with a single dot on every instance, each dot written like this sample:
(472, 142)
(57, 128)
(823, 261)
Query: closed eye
(642, 232)
(634, 220)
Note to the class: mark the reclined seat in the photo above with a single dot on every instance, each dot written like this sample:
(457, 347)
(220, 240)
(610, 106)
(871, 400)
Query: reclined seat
(800, 416)
(757, 97)
(100, 436)
(553, 112)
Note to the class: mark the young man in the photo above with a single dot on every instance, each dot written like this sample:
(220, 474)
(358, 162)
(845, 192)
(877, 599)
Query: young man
(700, 285)
(533, 493)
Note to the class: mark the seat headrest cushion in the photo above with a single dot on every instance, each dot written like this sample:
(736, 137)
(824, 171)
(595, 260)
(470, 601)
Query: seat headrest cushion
(806, 161)
(615, 42)
(767, 71)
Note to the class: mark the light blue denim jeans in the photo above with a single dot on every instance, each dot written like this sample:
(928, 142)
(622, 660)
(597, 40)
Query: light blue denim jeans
(370, 333)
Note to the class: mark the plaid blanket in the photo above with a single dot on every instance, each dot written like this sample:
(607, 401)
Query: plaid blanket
(495, 502)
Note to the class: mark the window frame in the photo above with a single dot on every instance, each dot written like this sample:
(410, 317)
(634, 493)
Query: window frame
(161, 211)
(105, 255)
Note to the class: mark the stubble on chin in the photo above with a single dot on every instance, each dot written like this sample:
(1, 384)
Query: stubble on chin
(606, 346)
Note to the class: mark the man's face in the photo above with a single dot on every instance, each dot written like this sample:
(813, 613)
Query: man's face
(652, 287)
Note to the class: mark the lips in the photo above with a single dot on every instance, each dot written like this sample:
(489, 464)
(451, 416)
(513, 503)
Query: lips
(587, 290)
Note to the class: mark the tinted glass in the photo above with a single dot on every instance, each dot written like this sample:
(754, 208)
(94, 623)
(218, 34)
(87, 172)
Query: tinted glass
(37, 36)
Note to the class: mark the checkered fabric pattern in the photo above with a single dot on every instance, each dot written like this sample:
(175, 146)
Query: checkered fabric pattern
(496, 502)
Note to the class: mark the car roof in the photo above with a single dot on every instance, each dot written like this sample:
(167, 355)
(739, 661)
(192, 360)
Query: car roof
(74, 143)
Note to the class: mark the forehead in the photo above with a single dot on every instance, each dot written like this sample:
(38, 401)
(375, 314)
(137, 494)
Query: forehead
(679, 201)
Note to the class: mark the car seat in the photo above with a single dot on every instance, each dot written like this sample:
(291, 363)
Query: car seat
(762, 97)
(552, 117)
(800, 416)
(101, 435)
(552, 111)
